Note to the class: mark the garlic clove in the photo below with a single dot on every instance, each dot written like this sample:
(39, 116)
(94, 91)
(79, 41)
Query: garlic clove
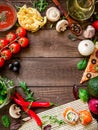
(89, 32)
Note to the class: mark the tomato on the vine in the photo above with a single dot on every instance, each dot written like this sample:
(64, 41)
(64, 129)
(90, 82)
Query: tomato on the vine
(1, 62)
(21, 32)
(23, 41)
(15, 47)
(6, 54)
(11, 36)
(3, 42)
(95, 24)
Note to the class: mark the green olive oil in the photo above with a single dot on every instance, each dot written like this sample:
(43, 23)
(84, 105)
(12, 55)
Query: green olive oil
(81, 9)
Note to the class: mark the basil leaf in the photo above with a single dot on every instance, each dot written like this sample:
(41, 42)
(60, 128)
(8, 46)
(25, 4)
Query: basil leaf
(81, 65)
(5, 121)
(83, 95)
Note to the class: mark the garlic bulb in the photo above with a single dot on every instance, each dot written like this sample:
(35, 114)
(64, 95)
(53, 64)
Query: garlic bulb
(89, 32)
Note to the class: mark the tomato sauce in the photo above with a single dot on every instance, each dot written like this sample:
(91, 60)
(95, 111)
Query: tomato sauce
(7, 16)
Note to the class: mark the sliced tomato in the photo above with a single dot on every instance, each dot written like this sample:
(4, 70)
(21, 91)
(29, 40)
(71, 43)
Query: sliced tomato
(11, 36)
(3, 42)
(15, 47)
(23, 41)
(21, 32)
(6, 54)
(2, 62)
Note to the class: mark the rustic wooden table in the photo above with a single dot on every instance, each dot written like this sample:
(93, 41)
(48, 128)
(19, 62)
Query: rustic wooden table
(48, 64)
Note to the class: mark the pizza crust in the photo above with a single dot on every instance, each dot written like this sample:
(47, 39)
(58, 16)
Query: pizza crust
(91, 70)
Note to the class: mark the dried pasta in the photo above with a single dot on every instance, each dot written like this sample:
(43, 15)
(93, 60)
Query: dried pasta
(30, 19)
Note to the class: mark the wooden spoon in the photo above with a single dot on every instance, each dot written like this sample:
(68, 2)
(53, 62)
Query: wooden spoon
(74, 26)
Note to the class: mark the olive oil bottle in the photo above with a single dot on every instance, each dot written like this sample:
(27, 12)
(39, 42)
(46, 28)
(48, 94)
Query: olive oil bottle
(80, 9)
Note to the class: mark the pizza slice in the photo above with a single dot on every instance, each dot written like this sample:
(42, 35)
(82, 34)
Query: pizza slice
(91, 70)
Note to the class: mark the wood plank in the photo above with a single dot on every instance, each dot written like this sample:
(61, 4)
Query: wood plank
(59, 95)
(46, 71)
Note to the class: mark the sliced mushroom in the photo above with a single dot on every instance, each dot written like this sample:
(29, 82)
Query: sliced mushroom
(14, 111)
(61, 25)
(53, 14)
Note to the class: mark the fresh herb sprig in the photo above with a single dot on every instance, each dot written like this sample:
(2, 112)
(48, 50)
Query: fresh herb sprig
(27, 91)
(5, 121)
(48, 119)
(41, 5)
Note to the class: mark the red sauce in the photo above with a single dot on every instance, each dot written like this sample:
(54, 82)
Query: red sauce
(7, 16)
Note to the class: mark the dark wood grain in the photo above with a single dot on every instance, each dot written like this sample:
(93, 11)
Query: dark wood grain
(46, 71)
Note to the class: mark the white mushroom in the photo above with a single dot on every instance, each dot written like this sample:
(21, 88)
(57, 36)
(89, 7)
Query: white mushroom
(89, 32)
(61, 25)
(53, 14)
(14, 111)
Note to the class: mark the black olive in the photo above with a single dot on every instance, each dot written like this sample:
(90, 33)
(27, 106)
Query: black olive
(15, 69)
(10, 66)
(88, 75)
(16, 64)
(93, 61)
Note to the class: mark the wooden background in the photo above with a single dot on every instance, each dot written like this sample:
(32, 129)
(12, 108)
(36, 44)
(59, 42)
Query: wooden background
(48, 64)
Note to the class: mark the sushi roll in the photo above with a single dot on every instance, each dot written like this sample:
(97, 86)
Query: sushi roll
(85, 117)
(71, 116)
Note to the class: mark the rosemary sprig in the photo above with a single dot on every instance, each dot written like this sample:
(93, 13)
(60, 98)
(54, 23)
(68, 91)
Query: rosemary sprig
(41, 5)
(27, 91)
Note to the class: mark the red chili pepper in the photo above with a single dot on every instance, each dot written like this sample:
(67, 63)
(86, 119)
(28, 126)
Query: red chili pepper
(41, 104)
(32, 104)
(27, 105)
(33, 115)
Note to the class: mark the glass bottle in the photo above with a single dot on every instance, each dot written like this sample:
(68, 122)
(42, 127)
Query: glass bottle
(81, 9)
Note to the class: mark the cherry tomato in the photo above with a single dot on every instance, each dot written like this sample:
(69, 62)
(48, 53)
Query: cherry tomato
(20, 31)
(3, 42)
(23, 41)
(11, 36)
(6, 54)
(95, 24)
(1, 62)
(15, 47)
